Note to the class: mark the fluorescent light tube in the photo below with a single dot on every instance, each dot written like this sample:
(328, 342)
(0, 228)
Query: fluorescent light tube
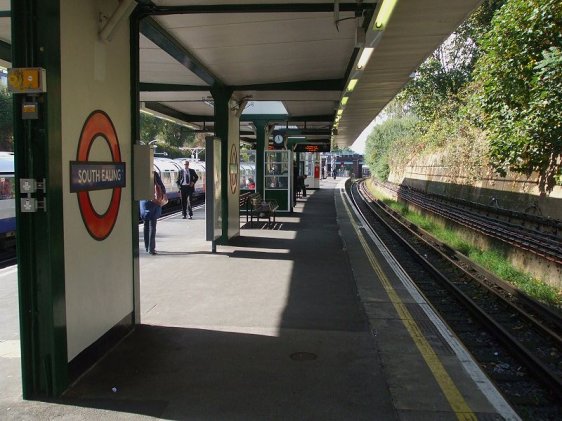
(364, 58)
(384, 15)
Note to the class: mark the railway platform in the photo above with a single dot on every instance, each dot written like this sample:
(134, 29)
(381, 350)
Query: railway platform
(298, 321)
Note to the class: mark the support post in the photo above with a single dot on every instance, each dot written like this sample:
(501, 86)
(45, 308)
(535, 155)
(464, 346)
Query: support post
(261, 141)
(40, 242)
(221, 96)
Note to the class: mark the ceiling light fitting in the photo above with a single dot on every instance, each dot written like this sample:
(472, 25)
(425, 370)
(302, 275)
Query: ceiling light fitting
(351, 85)
(367, 43)
(364, 57)
(384, 14)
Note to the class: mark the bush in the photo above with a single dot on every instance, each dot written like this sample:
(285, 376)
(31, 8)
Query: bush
(519, 82)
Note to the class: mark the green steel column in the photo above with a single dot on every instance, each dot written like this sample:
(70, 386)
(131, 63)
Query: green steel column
(261, 141)
(135, 130)
(40, 241)
(221, 96)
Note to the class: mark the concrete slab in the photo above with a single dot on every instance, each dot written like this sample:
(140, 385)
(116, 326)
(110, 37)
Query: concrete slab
(288, 322)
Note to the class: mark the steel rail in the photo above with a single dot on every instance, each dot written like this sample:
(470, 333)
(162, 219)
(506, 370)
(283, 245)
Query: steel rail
(525, 355)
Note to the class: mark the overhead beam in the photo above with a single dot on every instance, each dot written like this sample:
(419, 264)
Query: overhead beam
(327, 7)
(301, 85)
(190, 118)
(170, 112)
(286, 118)
(315, 132)
(323, 118)
(159, 36)
(170, 87)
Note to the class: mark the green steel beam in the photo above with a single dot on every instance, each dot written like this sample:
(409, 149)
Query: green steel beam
(324, 117)
(135, 131)
(264, 117)
(188, 118)
(159, 36)
(5, 14)
(328, 118)
(302, 85)
(307, 132)
(327, 7)
(170, 87)
(5, 51)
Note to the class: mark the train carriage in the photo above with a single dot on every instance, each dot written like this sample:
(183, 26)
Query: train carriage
(168, 169)
(7, 197)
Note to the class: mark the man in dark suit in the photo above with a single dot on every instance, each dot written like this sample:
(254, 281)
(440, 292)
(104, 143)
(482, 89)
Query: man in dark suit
(186, 183)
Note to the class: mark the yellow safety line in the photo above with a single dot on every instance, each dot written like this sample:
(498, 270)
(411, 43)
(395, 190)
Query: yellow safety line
(452, 394)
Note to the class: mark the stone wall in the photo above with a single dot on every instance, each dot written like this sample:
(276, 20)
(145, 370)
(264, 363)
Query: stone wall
(436, 174)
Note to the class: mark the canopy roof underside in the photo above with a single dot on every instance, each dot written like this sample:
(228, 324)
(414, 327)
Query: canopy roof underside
(301, 53)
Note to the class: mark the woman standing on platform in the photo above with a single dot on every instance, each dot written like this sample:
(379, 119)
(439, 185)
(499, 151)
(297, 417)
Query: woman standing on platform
(150, 211)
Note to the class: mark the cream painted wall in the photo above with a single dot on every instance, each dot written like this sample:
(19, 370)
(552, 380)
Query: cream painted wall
(99, 274)
(233, 198)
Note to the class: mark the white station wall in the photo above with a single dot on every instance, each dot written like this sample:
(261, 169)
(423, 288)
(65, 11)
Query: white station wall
(95, 76)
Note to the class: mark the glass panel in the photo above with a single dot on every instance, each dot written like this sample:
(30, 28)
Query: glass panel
(276, 181)
(247, 169)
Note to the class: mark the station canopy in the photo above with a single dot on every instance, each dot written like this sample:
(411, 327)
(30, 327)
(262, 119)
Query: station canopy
(308, 57)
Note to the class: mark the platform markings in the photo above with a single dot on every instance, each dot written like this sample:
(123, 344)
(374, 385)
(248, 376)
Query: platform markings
(474, 371)
(448, 387)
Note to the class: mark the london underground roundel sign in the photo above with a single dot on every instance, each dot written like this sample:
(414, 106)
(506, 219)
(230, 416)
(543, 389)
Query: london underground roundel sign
(86, 175)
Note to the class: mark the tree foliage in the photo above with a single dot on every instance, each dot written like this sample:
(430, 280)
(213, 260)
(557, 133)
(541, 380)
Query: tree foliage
(176, 135)
(150, 127)
(519, 88)
(380, 143)
(6, 121)
(440, 79)
(169, 135)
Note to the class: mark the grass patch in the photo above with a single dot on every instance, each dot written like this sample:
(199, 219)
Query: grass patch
(491, 260)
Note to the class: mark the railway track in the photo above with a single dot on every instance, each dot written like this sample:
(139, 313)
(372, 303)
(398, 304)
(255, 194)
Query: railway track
(538, 236)
(516, 341)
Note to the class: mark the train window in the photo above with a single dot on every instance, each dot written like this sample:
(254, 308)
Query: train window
(247, 169)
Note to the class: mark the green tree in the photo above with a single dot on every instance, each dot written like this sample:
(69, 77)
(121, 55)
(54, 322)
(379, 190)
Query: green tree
(150, 127)
(379, 143)
(176, 135)
(440, 79)
(518, 81)
(170, 136)
(6, 121)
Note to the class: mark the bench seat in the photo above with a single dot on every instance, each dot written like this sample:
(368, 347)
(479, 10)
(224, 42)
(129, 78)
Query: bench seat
(262, 209)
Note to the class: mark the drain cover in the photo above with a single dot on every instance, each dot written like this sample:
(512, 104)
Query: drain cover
(303, 356)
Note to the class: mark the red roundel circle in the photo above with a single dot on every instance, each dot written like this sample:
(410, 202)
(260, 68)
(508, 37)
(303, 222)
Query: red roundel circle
(98, 124)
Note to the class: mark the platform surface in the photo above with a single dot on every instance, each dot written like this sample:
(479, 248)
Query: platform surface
(290, 322)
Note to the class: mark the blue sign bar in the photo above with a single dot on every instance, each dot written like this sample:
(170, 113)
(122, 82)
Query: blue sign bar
(87, 176)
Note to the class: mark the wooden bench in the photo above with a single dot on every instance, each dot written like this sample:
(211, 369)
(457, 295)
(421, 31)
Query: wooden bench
(246, 202)
(261, 208)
